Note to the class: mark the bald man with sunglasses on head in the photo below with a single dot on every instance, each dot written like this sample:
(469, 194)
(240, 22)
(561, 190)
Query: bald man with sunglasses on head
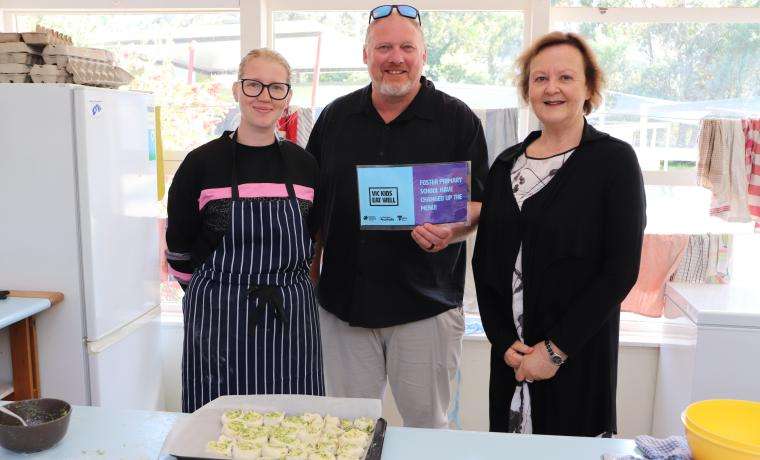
(392, 300)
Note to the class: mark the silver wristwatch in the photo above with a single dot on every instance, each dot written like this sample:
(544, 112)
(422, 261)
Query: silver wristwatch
(556, 359)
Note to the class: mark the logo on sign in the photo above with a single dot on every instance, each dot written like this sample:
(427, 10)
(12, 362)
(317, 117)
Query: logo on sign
(383, 196)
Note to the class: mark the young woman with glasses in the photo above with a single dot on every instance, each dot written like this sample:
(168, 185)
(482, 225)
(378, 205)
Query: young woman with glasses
(240, 243)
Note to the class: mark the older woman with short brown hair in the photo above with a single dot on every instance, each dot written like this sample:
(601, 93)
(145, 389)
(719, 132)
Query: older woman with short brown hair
(558, 249)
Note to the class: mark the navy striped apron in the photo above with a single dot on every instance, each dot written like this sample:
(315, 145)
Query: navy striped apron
(251, 320)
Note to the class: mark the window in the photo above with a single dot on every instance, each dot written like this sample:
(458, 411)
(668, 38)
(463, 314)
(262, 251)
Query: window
(327, 44)
(470, 53)
(664, 78)
(668, 62)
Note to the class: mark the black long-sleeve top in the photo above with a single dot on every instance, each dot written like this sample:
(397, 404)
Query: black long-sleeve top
(581, 237)
(199, 196)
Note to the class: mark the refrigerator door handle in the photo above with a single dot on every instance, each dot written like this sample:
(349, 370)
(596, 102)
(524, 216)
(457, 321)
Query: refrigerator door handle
(97, 346)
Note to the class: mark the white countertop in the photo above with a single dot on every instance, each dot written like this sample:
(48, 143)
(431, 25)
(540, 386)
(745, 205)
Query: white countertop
(717, 304)
(97, 433)
(416, 443)
(14, 309)
(105, 434)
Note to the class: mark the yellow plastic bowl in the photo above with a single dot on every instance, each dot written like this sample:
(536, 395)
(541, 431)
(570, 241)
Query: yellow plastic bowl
(723, 429)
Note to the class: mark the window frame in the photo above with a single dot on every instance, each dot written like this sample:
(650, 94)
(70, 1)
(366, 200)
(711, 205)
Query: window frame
(535, 17)
(256, 19)
(539, 18)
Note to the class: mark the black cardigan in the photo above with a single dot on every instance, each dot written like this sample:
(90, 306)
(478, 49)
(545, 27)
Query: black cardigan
(581, 237)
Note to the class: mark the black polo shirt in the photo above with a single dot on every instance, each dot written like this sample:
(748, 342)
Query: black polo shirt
(383, 278)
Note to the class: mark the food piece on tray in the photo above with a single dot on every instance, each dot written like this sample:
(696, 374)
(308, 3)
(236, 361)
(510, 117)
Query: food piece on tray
(274, 451)
(327, 440)
(246, 450)
(273, 418)
(354, 437)
(314, 419)
(331, 421)
(330, 437)
(258, 435)
(349, 451)
(297, 453)
(349, 457)
(365, 424)
(231, 415)
(346, 424)
(235, 429)
(310, 435)
(327, 445)
(294, 421)
(332, 430)
(321, 455)
(282, 436)
(222, 446)
(252, 419)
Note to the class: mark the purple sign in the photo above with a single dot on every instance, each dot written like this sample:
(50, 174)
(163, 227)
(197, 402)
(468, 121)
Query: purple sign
(441, 192)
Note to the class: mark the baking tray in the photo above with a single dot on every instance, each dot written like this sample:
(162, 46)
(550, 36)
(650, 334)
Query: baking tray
(375, 450)
(188, 437)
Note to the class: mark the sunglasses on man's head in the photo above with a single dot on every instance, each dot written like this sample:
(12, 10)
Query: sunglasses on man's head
(384, 11)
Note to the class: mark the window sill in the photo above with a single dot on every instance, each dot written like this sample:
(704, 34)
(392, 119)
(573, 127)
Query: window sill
(636, 331)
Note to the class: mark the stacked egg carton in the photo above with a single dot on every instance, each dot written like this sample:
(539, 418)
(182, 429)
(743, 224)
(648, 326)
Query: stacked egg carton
(87, 66)
(46, 56)
(21, 56)
(45, 73)
(16, 60)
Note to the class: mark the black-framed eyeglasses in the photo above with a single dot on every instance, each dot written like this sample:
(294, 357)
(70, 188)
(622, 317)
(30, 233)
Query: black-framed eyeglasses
(252, 88)
(383, 11)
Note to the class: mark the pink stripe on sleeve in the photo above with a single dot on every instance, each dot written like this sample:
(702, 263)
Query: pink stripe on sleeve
(184, 277)
(304, 193)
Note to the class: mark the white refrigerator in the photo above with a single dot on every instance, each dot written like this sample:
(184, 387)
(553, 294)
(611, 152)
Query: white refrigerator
(78, 214)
